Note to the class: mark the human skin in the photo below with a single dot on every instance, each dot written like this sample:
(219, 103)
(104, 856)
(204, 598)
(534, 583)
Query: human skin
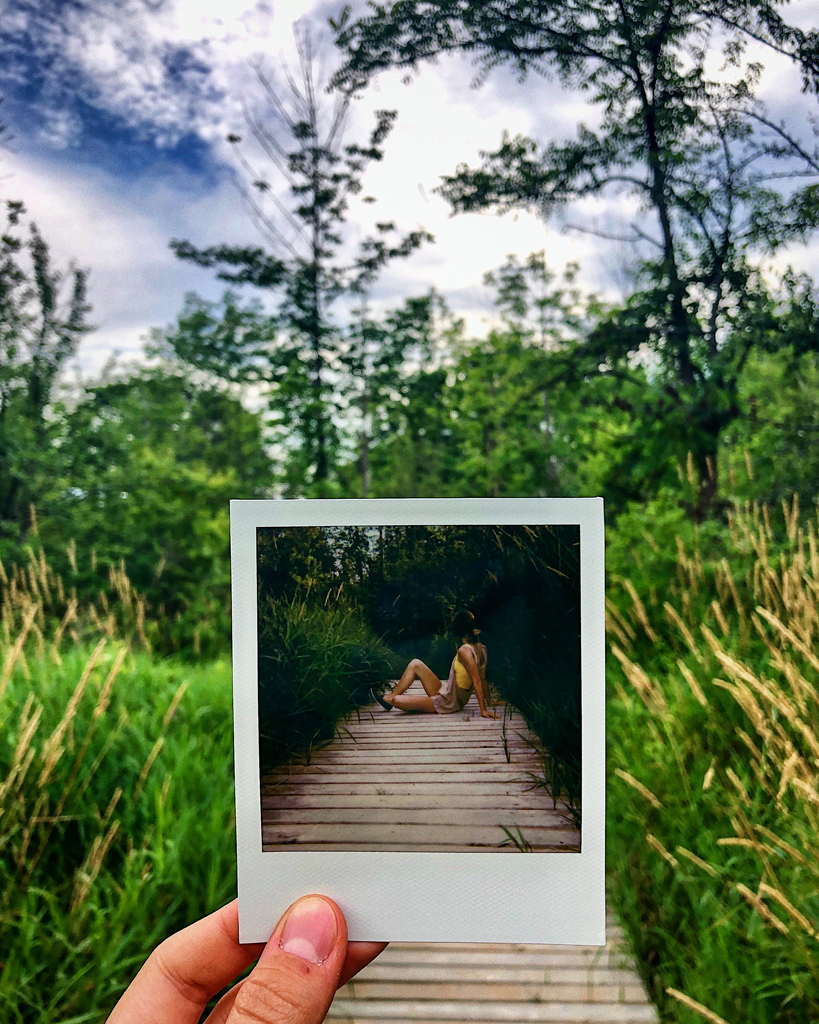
(298, 970)
(432, 684)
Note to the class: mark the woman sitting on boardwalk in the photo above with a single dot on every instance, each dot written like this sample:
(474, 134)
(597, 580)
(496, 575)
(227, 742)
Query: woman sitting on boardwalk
(466, 673)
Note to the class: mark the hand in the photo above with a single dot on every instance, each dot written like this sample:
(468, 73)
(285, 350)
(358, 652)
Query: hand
(299, 969)
(486, 713)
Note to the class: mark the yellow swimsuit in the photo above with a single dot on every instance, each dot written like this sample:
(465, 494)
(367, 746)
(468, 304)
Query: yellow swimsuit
(457, 689)
(463, 680)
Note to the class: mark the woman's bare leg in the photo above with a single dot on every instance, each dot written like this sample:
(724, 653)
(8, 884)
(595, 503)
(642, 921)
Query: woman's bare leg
(415, 670)
(412, 702)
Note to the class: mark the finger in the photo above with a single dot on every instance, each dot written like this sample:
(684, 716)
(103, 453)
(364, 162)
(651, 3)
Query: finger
(359, 954)
(221, 1011)
(299, 969)
(187, 970)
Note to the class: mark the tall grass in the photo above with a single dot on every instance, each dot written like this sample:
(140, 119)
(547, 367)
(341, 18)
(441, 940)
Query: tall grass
(317, 662)
(556, 723)
(713, 808)
(37, 601)
(116, 798)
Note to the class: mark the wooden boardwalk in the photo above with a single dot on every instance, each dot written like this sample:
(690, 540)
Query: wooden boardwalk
(455, 983)
(416, 782)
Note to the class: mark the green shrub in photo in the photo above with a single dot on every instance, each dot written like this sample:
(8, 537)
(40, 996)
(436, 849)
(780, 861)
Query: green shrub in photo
(316, 664)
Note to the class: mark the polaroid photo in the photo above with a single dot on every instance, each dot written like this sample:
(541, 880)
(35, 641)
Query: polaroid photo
(419, 705)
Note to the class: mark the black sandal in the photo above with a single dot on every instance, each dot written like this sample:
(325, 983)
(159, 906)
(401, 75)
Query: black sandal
(380, 699)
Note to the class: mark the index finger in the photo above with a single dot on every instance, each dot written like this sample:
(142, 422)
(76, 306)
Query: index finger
(186, 971)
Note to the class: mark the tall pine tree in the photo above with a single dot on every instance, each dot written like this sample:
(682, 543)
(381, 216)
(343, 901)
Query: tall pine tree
(300, 202)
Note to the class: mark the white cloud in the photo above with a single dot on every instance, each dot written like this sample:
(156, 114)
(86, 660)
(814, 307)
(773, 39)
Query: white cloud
(120, 226)
(120, 232)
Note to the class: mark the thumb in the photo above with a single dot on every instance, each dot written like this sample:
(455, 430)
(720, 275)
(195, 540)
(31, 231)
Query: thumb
(296, 977)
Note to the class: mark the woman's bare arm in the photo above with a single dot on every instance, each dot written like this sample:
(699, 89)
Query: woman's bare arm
(467, 658)
(487, 695)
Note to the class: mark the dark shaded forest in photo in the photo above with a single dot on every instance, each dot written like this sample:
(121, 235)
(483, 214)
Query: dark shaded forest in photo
(342, 609)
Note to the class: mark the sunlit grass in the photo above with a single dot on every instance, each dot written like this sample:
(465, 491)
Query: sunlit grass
(116, 807)
(713, 806)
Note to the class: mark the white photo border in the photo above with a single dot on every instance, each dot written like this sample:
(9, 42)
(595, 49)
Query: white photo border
(410, 897)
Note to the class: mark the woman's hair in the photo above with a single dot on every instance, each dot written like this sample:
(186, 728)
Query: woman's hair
(463, 624)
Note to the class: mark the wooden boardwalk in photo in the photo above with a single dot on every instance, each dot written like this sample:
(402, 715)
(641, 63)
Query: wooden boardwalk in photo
(456, 983)
(416, 782)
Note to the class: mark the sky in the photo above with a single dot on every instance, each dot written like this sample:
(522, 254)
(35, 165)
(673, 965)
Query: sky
(119, 112)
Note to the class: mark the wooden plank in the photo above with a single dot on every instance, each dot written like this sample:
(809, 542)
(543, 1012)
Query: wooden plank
(471, 734)
(317, 796)
(501, 769)
(478, 788)
(418, 971)
(433, 1017)
(457, 948)
(355, 847)
(504, 955)
(499, 992)
(396, 781)
(410, 749)
(411, 725)
(433, 817)
(348, 778)
(415, 757)
(549, 1013)
(421, 835)
(332, 1017)
(415, 725)
(432, 743)
(471, 947)
(474, 775)
(482, 983)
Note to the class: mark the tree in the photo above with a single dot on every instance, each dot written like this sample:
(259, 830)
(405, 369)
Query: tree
(39, 332)
(148, 462)
(553, 317)
(379, 356)
(307, 266)
(720, 180)
(772, 449)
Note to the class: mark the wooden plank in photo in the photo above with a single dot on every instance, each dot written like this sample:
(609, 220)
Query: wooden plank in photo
(404, 835)
(397, 781)
(392, 847)
(317, 797)
(475, 788)
(434, 817)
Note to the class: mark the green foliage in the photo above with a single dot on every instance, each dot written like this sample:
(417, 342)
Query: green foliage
(316, 664)
(773, 449)
(147, 466)
(374, 358)
(117, 823)
(39, 333)
(225, 340)
(688, 147)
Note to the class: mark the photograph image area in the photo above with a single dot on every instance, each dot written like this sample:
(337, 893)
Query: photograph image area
(419, 688)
